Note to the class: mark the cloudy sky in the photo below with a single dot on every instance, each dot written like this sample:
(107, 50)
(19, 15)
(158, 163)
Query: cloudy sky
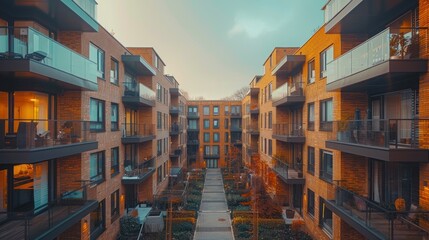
(212, 47)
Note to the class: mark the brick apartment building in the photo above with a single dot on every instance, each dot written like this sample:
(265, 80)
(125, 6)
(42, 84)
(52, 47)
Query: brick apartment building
(339, 125)
(214, 133)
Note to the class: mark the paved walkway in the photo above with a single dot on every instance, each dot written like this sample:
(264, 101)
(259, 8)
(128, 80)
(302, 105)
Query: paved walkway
(214, 222)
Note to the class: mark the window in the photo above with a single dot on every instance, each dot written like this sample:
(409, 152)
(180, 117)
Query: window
(326, 115)
(192, 124)
(226, 137)
(310, 202)
(165, 145)
(158, 120)
(215, 137)
(114, 161)
(326, 165)
(215, 110)
(156, 62)
(325, 216)
(311, 116)
(226, 123)
(192, 109)
(265, 120)
(96, 167)
(326, 57)
(159, 92)
(311, 160)
(270, 91)
(270, 120)
(206, 137)
(97, 222)
(206, 123)
(265, 146)
(97, 55)
(226, 149)
(159, 174)
(215, 150)
(215, 123)
(114, 71)
(270, 147)
(311, 72)
(96, 111)
(158, 147)
(165, 120)
(114, 205)
(236, 110)
(206, 110)
(226, 110)
(114, 117)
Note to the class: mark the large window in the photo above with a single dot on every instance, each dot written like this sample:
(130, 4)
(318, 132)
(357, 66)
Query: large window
(114, 117)
(325, 216)
(158, 120)
(215, 137)
(270, 147)
(311, 160)
(226, 110)
(96, 167)
(326, 57)
(96, 111)
(326, 165)
(159, 147)
(97, 223)
(192, 124)
(159, 174)
(206, 137)
(114, 205)
(206, 110)
(206, 123)
(159, 92)
(326, 115)
(97, 55)
(215, 123)
(114, 161)
(114, 71)
(215, 110)
(310, 202)
(311, 116)
(270, 120)
(311, 72)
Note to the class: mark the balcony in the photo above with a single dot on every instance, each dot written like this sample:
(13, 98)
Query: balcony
(193, 115)
(34, 140)
(253, 129)
(288, 95)
(375, 222)
(235, 114)
(211, 155)
(254, 92)
(139, 173)
(59, 216)
(356, 16)
(288, 65)
(290, 133)
(235, 128)
(176, 152)
(193, 142)
(193, 129)
(395, 140)
(381, 62)
(252, 150)
(138, 65)
(175, 110)
(289, 173)
(176, 129)
(30, 60)
(175, 92)
(138, 95)
(254, 109)
(137, 133)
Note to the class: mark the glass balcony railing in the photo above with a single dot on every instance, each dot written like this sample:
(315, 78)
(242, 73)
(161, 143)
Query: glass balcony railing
(37, 133)
(288, 129)
(334, 7)
(392, 133)
(390, 44)
(31, 44)
(287, 90)
(89, 6)
(134, 89)
(137, 130)
(285, 169)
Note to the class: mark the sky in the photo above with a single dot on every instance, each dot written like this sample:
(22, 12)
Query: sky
(212, 47)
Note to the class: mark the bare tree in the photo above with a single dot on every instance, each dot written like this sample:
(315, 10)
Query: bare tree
(239, 94)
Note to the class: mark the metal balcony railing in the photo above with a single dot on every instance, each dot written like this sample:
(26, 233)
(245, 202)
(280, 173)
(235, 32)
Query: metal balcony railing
(135, 89)
(288, 129)
(287, 90)
(334, 7)
(134, 129)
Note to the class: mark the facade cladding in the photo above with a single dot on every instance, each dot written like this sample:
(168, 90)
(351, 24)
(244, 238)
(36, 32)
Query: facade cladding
(337, 127)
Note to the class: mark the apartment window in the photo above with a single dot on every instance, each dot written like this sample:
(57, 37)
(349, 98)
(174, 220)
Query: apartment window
(326, 57)
(310, 202)
(206, 110)
(158, 92)
(206, 123)
(311, 72)
(326, 115)
(96, 167)
(114, 117)
(156, 62)
(215, 150)
(270, 147)
(114, 71)
(226, 137)
(159, 174)
(215, 110)
(311, 160)
(270, 120)
(311, 116)
(192, 124)
(226, 149)
(226, 110)
(165, 120)
(270, 91)
(226, 123)
(165, 145)
(96, 115)
(192, 109)
(97, 55)
(325, 216)
(206, 137)
(326, 165)
(158, 120)
(97, 221)
(114, 161)
(215, 137)
(236, 110)
(159, 147)
(265, 120)
(114, 206)
(215, 123)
